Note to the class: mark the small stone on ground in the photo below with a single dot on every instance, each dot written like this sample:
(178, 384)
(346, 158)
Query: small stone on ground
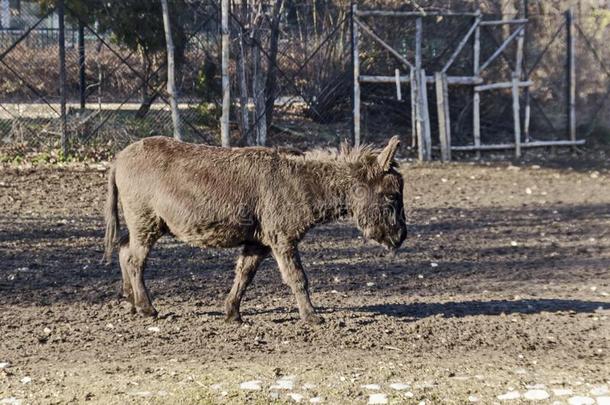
(295, 397)
(378, 399)
(509, 396)
(254, 385)
(580, 400)
(536, 395)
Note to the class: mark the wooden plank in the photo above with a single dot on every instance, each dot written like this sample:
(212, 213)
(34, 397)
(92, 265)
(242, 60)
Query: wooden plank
(502, 85)
(519, 54)
(414, 131)
(417, 73)
(423, 106)
(442, 107)
(453, 80)
(440, 113)
(476, 119)
(533, 144)
(422, 13)
(501, 22)
(381, 42)
(461, 45)
(356, 56)
(571, 74)
(457, 80)
(501, 48)
(447, 116)
(418, 41)
(397, 80)
(516, 116)
(226, 84)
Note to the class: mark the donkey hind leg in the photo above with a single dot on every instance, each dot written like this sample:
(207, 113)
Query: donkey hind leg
(289, 262)
(126, 290)
(247, 264)
(141, 240)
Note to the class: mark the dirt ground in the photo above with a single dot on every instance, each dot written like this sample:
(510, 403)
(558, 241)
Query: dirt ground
(500, 291)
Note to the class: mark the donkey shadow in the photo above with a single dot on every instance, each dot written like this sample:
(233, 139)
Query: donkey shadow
(419, 310)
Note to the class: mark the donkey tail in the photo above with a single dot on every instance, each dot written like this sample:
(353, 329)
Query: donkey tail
(111, 214)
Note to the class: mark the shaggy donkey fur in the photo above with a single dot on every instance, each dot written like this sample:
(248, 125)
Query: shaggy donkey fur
(260, 198)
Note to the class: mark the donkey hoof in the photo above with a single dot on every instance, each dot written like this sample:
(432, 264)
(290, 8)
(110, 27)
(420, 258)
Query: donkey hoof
(313, 319)
(233, 318)
(148, 312)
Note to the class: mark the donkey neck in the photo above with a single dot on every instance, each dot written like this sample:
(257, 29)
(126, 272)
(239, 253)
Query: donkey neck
(328, 184)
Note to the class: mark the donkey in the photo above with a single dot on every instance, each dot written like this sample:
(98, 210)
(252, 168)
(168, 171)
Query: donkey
(262, 199)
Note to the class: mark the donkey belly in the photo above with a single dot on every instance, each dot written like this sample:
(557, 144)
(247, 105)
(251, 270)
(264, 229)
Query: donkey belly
(213, 234)
(205, 225)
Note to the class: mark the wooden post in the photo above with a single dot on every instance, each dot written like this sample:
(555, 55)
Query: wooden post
(426, 145)
(476, 97)
(171, 71)
(62, 78)
(226, 85)
(356, 73)
(398, 92)
(442, 107)
(414, 119)
(447, 117)
(571, 74)
(516, 115)
(82, 85)
(515, 91)
(418, 42)
(417, 75)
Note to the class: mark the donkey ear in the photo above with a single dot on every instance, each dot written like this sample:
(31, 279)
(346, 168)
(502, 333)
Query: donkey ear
(386, 156)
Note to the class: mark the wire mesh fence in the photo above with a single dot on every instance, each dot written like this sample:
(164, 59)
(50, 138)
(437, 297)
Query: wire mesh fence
(297, 55)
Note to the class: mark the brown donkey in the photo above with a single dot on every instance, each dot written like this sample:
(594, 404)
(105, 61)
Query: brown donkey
(260, 198)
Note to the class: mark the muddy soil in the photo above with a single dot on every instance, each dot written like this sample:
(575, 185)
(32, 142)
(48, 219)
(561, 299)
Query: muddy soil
(501, 291)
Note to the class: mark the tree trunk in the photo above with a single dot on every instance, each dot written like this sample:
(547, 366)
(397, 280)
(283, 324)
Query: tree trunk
(258, 92)
(271, 83)
(244, 122)
(226, 92)
(171, 77)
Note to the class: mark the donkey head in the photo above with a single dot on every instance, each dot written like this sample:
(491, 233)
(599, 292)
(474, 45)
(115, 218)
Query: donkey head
(376, 196)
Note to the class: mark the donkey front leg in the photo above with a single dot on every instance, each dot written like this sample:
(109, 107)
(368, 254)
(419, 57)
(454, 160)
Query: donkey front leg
(247, 264)
(289, 262)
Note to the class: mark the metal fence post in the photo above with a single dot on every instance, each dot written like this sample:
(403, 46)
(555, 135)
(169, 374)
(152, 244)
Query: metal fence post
(82, 85)
(571, 75)
(356, 78)
(62, 78)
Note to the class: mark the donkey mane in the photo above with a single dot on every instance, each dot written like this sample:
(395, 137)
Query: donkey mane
(362, 158)
(344, 153)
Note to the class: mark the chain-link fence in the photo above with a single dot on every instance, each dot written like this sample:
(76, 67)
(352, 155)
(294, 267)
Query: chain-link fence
(545, 64)
(297, 55)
